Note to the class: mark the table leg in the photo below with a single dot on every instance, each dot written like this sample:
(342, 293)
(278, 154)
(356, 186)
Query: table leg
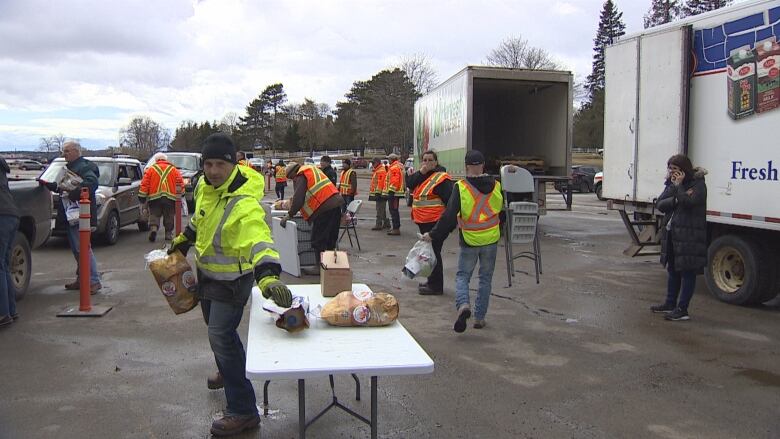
(265, 397)
(302, 409)
(373, 408)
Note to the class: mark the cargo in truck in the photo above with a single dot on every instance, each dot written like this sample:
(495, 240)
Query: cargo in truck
(707, 86)
(516, 116)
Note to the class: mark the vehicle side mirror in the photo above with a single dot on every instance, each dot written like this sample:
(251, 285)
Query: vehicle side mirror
(124, 181)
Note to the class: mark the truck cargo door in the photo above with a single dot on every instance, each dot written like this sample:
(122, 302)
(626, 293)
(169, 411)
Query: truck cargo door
(663, 106)
(620, 119)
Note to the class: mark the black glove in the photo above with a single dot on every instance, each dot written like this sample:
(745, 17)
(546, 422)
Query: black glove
(180, 243)
(283, 222)
(49, 185)
(273, 288)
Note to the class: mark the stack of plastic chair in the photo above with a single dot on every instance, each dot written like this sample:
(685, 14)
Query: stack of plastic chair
(349, 226)
(521, 220)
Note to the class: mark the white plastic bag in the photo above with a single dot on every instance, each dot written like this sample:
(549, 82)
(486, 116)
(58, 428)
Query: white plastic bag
(71, 210)
(421, 260)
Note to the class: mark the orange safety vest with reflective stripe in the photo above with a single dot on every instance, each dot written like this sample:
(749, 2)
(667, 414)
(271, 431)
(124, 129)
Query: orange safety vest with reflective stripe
(395, 181)
(318, 189)
(378, 180)
(478, 217)
(160, 180)
(246, 163)
(344, 187)
(427, 207)
(281, 175)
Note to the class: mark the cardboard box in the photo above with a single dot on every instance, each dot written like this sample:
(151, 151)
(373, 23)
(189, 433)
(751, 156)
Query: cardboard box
(335, 274)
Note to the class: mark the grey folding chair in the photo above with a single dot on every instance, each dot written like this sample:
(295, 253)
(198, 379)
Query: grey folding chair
(350, 227)
(522, 219)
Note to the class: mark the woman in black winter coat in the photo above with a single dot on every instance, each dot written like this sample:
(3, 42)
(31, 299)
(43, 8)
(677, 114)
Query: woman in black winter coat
(683, 233)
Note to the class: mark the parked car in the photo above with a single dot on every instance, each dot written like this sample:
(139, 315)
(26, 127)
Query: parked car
(257, 164)
(384, 162)
(582, 179)
(190, 165)
(116, 196)
(30, 165)
(598, 182)
(359, 163)
(35, 204)
(337, 164)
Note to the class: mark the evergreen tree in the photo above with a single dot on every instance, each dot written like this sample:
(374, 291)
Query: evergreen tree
(275, 97)
(611, 26)
(662, 12)
(696, 7)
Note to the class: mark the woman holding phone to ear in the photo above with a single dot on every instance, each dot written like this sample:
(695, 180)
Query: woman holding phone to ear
(683, 234)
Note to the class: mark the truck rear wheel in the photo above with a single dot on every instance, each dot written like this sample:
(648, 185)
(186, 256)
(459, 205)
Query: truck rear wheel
(20, 265)
(738, 271)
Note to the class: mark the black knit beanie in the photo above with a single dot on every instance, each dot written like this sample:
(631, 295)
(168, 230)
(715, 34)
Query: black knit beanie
(219, 146)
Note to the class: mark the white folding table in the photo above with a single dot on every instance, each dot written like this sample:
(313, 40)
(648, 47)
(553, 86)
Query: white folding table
(324, 350)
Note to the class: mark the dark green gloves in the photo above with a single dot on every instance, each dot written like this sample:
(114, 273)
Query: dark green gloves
(180, 243)
(273, 288)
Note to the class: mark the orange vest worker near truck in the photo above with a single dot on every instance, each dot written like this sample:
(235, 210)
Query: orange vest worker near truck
(394, 191)
(158, 193)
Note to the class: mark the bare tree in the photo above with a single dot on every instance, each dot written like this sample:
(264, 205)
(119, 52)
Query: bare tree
(229, 123)
(145, 135)
(52, 143)
(515, 52)
(419, 71)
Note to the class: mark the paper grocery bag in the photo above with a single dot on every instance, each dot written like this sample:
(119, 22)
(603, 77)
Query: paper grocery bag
(176, 280)
(335, 274)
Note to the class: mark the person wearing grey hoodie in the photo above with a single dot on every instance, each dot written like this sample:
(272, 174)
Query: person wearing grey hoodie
(9, 222)
(474, 206)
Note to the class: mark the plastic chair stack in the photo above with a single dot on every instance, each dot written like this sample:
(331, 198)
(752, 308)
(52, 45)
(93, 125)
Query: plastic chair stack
(521, 220)
(349, 227)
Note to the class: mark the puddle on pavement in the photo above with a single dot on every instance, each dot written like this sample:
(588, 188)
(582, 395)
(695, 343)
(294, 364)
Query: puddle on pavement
(761, 376)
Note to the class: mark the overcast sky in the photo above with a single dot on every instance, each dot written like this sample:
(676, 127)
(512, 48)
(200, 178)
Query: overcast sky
(84, 68)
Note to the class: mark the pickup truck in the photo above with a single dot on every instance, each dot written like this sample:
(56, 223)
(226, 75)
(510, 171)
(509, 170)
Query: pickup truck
(35, 205)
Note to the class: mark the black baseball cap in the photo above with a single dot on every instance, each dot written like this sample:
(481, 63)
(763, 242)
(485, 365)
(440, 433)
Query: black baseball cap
(475, 157)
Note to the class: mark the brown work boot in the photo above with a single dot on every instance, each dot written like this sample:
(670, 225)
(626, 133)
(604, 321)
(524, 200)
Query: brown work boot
(231, 425)
(153, 236)
(73, 285)
(377, 228)
(215, 381)
(95, 288)
(394, 232)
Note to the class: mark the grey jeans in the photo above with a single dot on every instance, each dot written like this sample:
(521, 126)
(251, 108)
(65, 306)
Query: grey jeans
(381, 214)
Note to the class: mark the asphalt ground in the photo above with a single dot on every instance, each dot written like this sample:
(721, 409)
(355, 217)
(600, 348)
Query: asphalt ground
(577, 356)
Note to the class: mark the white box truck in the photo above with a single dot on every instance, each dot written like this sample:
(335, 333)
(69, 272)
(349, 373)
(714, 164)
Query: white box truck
(511, 115)
(707, 86)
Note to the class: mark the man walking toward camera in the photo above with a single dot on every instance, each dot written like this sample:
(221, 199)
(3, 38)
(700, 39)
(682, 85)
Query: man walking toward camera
(158, 194)
(233, 251)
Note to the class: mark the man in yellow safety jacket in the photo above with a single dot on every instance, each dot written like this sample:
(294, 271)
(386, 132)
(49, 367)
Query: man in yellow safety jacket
(474, 206)
(394, 191)
(318, 200)
(234, 251)
(158, 194)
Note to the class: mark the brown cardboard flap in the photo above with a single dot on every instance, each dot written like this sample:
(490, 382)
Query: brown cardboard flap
(334, 260)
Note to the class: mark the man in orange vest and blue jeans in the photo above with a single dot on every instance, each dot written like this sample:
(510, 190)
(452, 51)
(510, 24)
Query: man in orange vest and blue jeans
(320, 203)
(474, 206)
(158, 193)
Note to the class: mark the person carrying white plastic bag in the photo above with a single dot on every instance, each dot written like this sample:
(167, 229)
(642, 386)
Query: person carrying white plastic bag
(421, 259)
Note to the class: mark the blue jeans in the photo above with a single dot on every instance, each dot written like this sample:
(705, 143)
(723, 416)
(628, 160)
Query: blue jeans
(8, 226)
(686, 279)
(73, 239)
(222, 319)
(467, 261)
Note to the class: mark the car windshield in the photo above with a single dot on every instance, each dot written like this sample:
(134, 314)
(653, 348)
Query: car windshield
(54, 172)
(188, 162)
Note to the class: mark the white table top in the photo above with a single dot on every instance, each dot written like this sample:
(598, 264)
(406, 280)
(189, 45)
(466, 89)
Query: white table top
(321, 350)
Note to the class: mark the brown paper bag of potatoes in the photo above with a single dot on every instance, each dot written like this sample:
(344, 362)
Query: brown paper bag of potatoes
(176, 280)
(360, 308)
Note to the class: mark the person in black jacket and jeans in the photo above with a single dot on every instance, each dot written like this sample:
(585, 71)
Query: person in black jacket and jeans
(9, 222)
(683, 234)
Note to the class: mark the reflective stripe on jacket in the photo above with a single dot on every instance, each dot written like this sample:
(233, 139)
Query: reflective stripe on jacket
(318, 189)
(427, 207)
(478, 218)
(281, 175)
(160, 180)
(344, 183)
(378, 180)
(232, 237)
(395, 180)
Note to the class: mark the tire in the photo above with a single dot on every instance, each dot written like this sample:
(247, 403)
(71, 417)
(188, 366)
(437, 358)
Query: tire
(738, 272)
(584, 187)
(111, 234)
(20, 265)
(598, 192)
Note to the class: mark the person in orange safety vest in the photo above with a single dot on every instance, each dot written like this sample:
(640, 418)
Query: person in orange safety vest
(376, 194)
(394, 191)
(280, 174)
(347, 182)
(160, 186)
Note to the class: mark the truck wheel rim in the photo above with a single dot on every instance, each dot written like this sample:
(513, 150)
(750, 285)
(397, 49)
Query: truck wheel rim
(728, 270)
(114, 227)
(18, 264)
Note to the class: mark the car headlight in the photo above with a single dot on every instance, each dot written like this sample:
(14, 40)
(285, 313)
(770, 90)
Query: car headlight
(100, 199)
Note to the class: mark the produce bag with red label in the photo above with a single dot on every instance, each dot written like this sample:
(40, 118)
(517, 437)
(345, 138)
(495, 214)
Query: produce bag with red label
(360, 308)
(175, 278)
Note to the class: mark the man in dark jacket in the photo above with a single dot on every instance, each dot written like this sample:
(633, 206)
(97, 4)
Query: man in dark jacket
(683, 234)
(474, 206)
(326, 168)
(89, 174)
(9, 222)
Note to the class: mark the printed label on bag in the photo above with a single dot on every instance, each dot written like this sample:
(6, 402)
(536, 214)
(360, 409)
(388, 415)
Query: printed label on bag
(360, 314)
(168, 288)
(363, 295)
(188, 279)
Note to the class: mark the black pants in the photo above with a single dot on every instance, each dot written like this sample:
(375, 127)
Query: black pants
(325, 232)
(436, 279)
(677, 279)
(280, 190)
(395, 216)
